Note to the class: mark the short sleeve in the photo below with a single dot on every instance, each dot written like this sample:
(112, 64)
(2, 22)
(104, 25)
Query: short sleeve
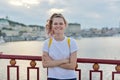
(73, 45)
(45, 46)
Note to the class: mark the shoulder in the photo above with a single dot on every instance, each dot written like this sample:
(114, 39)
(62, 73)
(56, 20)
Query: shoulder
(73, 42)
(73, 45)
(46, 41)
(72, 39)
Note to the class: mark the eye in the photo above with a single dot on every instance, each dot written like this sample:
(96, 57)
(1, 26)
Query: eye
(61, 23)
(55, 23)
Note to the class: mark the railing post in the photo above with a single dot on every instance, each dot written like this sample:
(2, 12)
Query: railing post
(117, 68)
(32, 64)
(12, 62)
(95, 69)
(79, 72)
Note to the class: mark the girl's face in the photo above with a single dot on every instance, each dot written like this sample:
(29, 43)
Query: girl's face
(58, 25)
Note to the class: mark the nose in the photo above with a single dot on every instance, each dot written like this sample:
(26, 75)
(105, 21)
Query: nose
(57, 27)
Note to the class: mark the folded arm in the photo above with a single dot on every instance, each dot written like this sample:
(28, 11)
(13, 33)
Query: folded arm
(72, 62)
(47, 61)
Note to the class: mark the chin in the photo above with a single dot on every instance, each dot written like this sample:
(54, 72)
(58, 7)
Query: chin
(58, 33)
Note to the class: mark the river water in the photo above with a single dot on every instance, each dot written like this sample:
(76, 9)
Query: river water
(102, 48)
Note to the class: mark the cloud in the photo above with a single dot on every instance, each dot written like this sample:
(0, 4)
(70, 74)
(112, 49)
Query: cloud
(90, 12)
(16, 3)
(30, 2)
(114, 5)
(58, 2)
(93, 15)
(52, 1)
(25, 3)
(55, 10)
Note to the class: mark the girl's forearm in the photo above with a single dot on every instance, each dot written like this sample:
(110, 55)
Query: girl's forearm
(54, 63)
(70, 66)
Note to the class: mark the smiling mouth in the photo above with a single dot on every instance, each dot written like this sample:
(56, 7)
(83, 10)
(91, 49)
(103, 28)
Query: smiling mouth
(59, 28)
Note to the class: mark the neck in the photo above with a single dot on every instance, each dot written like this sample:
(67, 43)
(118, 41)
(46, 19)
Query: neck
(59, 37)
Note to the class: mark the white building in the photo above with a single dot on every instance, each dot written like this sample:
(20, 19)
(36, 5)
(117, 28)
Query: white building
(10, 32)
(73, 29)
(4, 23)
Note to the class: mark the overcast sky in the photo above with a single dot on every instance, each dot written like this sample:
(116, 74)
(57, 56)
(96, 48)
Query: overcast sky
(89, 13)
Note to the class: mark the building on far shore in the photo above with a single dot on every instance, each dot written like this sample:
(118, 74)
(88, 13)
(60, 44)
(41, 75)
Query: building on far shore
(3, 23)
(73, 29)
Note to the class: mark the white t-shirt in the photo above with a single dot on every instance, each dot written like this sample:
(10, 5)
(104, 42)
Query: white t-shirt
(60, 50)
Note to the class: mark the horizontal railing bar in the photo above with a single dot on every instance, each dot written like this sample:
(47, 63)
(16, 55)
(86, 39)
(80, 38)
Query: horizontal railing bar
(21, 57)
(101, 61)
(79, 60)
